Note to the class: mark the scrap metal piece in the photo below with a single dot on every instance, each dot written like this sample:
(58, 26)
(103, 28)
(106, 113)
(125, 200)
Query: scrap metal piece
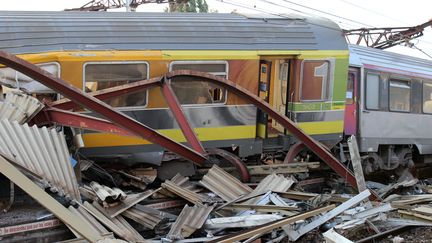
(89, 220)
(273, 182)
(331, 236)
(106, 194)
(224, 185)
(187, 194)
(118, 224)
(47, 201)
(148, 220)
(189, 220)
(42, 151)
(20, 107)
(241, 221)
(270, 226)
(295, 234)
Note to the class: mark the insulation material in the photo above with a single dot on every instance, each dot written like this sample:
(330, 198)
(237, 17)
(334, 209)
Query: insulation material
(42, 151)
(224, 185)
(19, 107)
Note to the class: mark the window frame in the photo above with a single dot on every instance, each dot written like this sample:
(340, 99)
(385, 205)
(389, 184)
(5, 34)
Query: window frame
(123, 108)
(226, 63)
(366, 93)
(330, 80)
(424, 81)
(400, 79)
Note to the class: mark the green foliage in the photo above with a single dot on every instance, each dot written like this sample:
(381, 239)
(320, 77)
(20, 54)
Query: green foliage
(192, 6)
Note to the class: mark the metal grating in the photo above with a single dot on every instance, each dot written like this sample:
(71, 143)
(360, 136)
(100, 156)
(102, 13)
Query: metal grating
(19, 107)
(43, 152)
(224, 185)
(189, 220)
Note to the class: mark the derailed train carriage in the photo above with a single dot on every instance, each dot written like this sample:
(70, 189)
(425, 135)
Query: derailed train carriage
(297, 65)
(300, 66)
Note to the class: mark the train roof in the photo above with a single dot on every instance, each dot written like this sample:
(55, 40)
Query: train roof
(33, 32)
(388, 61)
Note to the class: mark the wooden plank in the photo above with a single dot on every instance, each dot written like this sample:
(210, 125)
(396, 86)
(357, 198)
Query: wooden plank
(271, 226)
(357, 166)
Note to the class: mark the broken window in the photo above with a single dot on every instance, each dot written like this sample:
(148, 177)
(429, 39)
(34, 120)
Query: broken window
(98, 76)
(427, 97)
(190, 92)
(315, 81)
(400, 95)
(14, 79)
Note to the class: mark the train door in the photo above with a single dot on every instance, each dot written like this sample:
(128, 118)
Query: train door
(264, 94)
(351, 105)
(280, 88)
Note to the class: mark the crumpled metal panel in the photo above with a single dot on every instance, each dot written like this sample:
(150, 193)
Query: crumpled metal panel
(189, 220)
(106, 194)
(43, 152)
(18, 106)
(224, 185)
(272, 182)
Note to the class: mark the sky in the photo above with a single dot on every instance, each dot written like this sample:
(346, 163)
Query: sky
(349, 14)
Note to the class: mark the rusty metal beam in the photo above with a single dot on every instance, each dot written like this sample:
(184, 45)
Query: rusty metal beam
(180, 117)
(311, 143)
(66, 104)
(98, 106)
(78, 120)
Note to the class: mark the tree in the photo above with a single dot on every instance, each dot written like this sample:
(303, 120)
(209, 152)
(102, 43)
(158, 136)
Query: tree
(191, 6)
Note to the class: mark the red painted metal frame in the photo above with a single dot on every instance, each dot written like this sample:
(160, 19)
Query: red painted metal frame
(293, 151)
(77, 120)
(93, 104)
(234, 160)
(311, 143)
(181, 119)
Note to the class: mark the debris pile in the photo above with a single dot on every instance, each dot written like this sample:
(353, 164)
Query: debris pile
(213, 206)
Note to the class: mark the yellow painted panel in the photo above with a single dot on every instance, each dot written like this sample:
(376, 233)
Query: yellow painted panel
(204, 134)
(261, 130)
(325, 127)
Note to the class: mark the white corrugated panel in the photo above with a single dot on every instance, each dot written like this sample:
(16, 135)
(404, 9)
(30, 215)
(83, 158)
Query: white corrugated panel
(42, 151)
(20, 107)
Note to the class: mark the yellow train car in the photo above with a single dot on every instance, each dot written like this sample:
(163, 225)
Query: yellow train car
(298, 65)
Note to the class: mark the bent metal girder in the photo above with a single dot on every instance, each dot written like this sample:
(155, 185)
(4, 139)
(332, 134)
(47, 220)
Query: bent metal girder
(97, 106)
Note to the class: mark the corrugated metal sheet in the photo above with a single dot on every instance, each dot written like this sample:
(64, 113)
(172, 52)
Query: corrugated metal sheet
(272, 182)
(42, 151)
(19, 107)
(360, 55)
(187, 194)
(30, 32)
(117, 224)
(91, 221)
(189, 220)
(148, 220)
(224, 185)
(106, 194)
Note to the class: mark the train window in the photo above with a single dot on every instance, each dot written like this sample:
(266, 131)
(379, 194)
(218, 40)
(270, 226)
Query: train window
(372, 91)
(427, 97)
(315, 81)
(98, 76)
(400, 95)
(199, 92)
(14, 79)
(350, 89)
